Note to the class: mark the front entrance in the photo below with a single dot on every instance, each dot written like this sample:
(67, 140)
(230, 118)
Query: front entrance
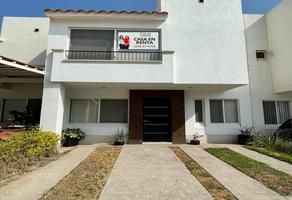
(157, 115)
(157, 120)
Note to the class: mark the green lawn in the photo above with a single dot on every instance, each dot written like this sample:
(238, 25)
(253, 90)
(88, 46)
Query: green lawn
(278, 181)
(269, 152)
(216, 189)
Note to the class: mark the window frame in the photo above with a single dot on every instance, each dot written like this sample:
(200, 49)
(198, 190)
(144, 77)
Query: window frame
(115, 39)
(99, 109)
(223, 109)
(2, 105)
(70, 111)
(91, 29)
(113, 122)
(203, 111)
(277, 110)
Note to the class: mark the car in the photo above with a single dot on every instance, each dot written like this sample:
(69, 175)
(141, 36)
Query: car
(285, 131)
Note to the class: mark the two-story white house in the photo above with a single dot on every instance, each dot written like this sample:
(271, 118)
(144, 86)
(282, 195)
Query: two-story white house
(189, 67)
(160, 76)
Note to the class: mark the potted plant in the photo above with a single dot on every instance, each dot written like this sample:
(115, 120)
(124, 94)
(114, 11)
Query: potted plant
(195, 141)
(119, 138)
(71, 137)
(246, 136)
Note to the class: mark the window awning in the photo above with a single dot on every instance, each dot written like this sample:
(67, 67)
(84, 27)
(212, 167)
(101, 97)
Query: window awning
(11, 68)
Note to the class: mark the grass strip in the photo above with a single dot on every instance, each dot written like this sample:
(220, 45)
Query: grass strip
(216, 189)
(272, 153)
(278, 181)
(87, 180)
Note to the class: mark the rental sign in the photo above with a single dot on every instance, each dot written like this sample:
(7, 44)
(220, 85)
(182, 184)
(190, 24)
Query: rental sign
(138, 40)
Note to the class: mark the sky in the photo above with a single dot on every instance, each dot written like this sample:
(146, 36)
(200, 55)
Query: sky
(32, 8)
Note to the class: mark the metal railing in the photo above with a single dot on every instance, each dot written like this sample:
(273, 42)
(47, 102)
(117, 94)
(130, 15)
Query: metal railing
(114, 55)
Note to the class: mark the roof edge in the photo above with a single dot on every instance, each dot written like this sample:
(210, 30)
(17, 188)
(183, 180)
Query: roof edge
(104, 12)
(3, 58)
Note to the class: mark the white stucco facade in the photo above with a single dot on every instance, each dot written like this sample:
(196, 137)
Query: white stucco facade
(208, 51)
(199, 57)
(279, 28)
(262, 86)
(25, 39)
(20, 42)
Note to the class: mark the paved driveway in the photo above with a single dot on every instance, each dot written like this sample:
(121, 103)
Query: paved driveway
(151, 172)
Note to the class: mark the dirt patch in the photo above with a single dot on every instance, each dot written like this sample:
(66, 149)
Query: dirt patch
(87, 180)
(14, 172)
(216, 189)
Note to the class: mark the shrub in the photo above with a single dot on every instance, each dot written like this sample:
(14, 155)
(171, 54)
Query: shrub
(273, 143)
(263, 140)
(283, 146)
(26, 147)
(120, 136)
(245, 130)
(73, 133)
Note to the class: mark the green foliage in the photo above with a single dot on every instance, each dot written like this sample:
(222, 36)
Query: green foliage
(271, 178)
(20, 151)
(283, 146)
(273, 143)
(31, 144)
(73, 133)
(263, 140)
(287, 157)
(120, 136)
(245, 130)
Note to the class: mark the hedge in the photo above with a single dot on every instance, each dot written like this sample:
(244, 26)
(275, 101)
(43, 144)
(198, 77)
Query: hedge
(26, 147)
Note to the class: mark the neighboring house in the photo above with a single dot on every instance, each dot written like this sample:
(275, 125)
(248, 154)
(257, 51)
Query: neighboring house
(23, 44)
(269, 44)
(165, 75)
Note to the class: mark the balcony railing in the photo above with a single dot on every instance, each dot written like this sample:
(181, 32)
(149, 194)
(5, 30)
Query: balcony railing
(114, 55)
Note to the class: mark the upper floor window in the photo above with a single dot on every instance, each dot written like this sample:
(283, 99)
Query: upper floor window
(91, 44)
(92, 40)
(100, 45)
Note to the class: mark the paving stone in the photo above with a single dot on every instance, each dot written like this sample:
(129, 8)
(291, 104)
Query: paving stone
(239, 184)
(148, 172)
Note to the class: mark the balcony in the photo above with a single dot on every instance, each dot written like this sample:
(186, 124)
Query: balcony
(112, 66)
(136, 56)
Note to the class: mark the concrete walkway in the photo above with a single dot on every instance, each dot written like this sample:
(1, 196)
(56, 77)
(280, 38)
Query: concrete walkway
(33, 185)
(241, 185)
(151, 172)
(272, 162)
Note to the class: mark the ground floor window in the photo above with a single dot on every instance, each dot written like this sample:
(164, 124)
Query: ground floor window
(199, 113)
(84, 110)
(99, 111)
(224, 111)
(21, 111)
(276, 112)
(113, 111)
